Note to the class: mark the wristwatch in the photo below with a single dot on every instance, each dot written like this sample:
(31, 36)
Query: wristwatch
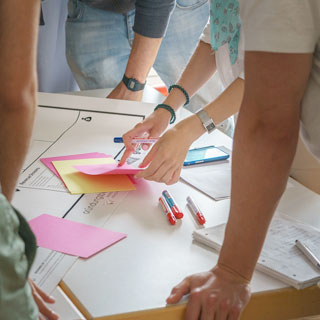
(207, 122)
(132, 83)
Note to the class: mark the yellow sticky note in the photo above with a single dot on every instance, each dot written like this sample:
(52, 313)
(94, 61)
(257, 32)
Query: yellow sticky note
(78, 183)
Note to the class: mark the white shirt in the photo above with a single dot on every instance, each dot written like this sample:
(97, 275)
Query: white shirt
(289, 26)
(228, 72)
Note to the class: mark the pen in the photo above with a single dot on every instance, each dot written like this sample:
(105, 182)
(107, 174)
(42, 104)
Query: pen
(172, 204)
(196, 211)
(167, 211)
(136, 140)
(308, 253)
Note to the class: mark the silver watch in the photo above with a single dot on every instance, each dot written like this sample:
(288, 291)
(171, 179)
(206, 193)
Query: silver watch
(207, 122)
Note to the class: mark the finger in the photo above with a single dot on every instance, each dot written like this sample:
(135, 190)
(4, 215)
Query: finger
(156, 169)
(43, 295)
(223, 310)
(179, 291)
(166, 174)
(146, 146)
(127, 153)
(43, 308)
(235, 313)
(208, 311)
(161, 174)
(175, 177)
(193, 311)
(149, 157)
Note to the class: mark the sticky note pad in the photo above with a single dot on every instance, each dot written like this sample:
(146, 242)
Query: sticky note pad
(113, 168)
(78, 183)
(71, 237)
(48, 161)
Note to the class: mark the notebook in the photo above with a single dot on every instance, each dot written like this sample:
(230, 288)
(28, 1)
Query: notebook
(214, 178)
(280, 258)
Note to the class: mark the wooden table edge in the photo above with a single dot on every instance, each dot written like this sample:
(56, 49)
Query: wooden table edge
(282, 304)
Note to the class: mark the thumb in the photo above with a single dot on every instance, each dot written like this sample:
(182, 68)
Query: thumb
(179, 291)
(149, 157)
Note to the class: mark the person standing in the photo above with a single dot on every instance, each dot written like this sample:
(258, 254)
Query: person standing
(18, 38)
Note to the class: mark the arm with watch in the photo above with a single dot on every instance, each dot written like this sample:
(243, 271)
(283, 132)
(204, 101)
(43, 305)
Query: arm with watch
(166, 158)
(142, 57)
(150, 24)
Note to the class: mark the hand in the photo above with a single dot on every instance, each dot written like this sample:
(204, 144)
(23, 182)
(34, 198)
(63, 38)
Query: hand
(168, 154)
(153, 126)
(215, 295)
(123, 93)
(41, 298)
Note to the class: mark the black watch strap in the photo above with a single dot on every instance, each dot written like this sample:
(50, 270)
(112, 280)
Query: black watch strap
(133, 84)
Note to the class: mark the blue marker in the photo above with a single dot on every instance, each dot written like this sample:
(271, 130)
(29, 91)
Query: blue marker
(117, 140)
(174, 208)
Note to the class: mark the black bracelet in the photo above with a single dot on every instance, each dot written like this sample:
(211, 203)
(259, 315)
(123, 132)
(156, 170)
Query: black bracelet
(167, 107)
(183, 90)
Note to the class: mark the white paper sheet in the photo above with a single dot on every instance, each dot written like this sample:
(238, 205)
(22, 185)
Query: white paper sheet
(280, 257)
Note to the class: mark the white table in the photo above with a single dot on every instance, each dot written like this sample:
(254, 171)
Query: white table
(131, 279)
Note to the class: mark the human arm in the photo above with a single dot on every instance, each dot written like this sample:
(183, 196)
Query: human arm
(19, 25)
(264, 146)
(142, 57)
(199, 69)
(166, 158)
(151, 20)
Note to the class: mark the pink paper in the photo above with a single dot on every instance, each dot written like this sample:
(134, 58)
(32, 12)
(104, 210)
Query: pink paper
(71, 237)
(48, 161)
(98, 169)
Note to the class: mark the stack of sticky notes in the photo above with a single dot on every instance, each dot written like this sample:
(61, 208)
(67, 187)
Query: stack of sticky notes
(91, 173)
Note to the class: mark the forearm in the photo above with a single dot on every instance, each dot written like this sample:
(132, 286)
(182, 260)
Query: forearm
(199, 70)
(143, 54)
(19, 23)
(142, 57)
(262, 156)
(15, 132)
(223, 107)
(264, 146)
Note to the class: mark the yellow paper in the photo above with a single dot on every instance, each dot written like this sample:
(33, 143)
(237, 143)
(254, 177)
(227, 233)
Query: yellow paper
(78, 183)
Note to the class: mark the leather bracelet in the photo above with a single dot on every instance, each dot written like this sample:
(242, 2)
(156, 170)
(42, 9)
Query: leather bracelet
(183, 91)
(170, 109)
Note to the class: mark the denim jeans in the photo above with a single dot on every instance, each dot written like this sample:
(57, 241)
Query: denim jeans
(98, 45)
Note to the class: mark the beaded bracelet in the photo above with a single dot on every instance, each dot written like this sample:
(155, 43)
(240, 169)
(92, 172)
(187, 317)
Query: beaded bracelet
(167, 107)
(183, 91)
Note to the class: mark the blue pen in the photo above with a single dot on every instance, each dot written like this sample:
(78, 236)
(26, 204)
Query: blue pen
(117, 140)
(174, 208)
(137, 140)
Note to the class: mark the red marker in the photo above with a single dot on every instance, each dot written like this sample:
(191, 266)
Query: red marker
(196, 211)
(167, 211)
(172, 204)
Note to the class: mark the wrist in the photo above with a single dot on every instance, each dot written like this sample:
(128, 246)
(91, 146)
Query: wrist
(229, 273)
(191, 128)
(163, 114)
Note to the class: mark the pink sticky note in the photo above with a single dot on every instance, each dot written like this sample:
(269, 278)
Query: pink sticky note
(48, 161)
(71, 237)
(98, 169)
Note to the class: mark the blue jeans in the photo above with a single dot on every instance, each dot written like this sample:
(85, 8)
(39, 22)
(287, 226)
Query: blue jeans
(98, 45)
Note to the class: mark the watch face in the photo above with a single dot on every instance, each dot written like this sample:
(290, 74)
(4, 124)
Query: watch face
(131, 84)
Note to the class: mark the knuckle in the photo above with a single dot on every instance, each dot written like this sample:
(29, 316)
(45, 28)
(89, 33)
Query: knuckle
(236, 311)
(225, 304)
(211, 299)
(195, 294)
